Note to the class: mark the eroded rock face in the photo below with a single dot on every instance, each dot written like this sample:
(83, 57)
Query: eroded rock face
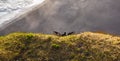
(70, 15)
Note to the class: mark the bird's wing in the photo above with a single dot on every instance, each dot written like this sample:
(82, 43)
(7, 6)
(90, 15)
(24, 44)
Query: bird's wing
(70, 33)
(56, 33)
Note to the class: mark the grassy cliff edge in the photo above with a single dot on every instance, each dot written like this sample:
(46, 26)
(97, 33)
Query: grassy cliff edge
(86, 46)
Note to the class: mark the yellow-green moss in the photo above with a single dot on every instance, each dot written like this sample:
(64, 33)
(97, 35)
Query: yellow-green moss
(86, 46)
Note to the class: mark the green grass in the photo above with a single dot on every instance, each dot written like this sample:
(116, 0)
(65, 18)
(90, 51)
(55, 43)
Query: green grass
(86, 46)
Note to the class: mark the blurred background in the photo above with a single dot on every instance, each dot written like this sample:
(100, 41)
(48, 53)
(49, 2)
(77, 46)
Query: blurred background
(61, 15)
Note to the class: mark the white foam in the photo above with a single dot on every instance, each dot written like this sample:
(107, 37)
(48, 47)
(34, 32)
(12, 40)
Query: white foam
(6, 15)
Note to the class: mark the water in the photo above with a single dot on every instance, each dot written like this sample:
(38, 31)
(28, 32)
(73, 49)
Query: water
(10, 8)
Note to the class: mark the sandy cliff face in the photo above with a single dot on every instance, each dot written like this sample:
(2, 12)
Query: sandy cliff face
(70, 15)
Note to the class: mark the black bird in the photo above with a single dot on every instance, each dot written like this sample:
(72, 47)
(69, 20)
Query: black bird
(64, 34)
(70, 33)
